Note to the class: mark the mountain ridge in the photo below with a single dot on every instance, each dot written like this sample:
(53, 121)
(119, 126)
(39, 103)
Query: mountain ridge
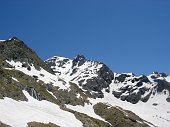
(87, 89)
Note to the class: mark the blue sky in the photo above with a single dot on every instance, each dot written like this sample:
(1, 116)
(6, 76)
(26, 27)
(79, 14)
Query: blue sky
(127, 35)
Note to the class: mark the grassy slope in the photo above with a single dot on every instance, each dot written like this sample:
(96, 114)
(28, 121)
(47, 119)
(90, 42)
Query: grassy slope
(118, 117)
(37, 124)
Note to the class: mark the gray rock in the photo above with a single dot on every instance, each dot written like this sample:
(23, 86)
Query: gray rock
(133, 97)
(117, 94)
(121, 77)
(168, 99)
(79, 60)
(35, 94)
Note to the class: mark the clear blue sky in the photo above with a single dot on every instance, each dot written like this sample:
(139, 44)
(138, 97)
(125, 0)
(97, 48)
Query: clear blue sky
(127, 35)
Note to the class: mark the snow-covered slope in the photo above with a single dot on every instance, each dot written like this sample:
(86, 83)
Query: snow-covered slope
(147, 96)
(65, 91)
(88, 74)
(18, 114)
(77, 70)
(41, 74)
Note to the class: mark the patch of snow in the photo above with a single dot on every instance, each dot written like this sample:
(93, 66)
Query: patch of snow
(78, 95)
(157, 115)
(2, 40)
(47, 78)
(19, 113)
(144, 110)
(15, 79)
(86, 109)
(52, 94)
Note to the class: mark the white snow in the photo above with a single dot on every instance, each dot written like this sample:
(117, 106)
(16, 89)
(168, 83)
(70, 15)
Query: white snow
(87, 109)
(15, 79)
(168, 78)
(19, 113)
(87, 70)
(46, 112)
(78, 95)
(158, 115)
(52, 94)
(47, 78)
(57, 68)
(2, 40)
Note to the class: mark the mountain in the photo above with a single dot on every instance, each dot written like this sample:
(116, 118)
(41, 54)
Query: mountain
(90, 75)
(63, 92)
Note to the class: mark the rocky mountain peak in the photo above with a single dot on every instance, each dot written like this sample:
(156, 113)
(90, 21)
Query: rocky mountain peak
(79, 60)
(80, 57)
(15, 49)
(15, 39)
(79, 82)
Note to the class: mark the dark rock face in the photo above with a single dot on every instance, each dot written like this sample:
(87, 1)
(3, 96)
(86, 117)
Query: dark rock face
(162, 84)
(121, 77)
(117, 94)
(32, 92)
(79, 60)
(134, 89)
(103, 80)
(106, 74)
(95, 84)
(51, 62)
(99, 94)
(133, 92)
(131, 96)
(144, 79)
(146, 98)
(168, 99)
(103, 75)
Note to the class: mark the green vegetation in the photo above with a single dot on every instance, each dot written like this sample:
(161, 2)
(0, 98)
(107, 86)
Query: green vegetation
(36, 124)
(13, 89)
(118, 117)
(87, 120)
(16, 50)
(8, 87)
(3, 125)
(69, 96)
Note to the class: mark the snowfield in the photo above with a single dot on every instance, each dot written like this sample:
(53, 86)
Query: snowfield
(19, 113)
(46, 78)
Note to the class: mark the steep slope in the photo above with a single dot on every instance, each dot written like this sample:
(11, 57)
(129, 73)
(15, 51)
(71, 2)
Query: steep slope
(25, 91)
(17, 50)
(89, 75)
(79, 92)
(125, 90)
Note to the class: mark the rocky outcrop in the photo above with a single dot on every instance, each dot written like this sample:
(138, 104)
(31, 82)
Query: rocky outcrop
(35, 94)
(91, 75)
(163, 85)
(17, 50)
(132, 88)
(78, 60)
(95, 76)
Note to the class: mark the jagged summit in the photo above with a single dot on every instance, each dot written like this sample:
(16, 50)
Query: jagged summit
(79, 60)
(16, 39)
(84, 90)
(80, 57)
(17, 50)
(91, 75)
